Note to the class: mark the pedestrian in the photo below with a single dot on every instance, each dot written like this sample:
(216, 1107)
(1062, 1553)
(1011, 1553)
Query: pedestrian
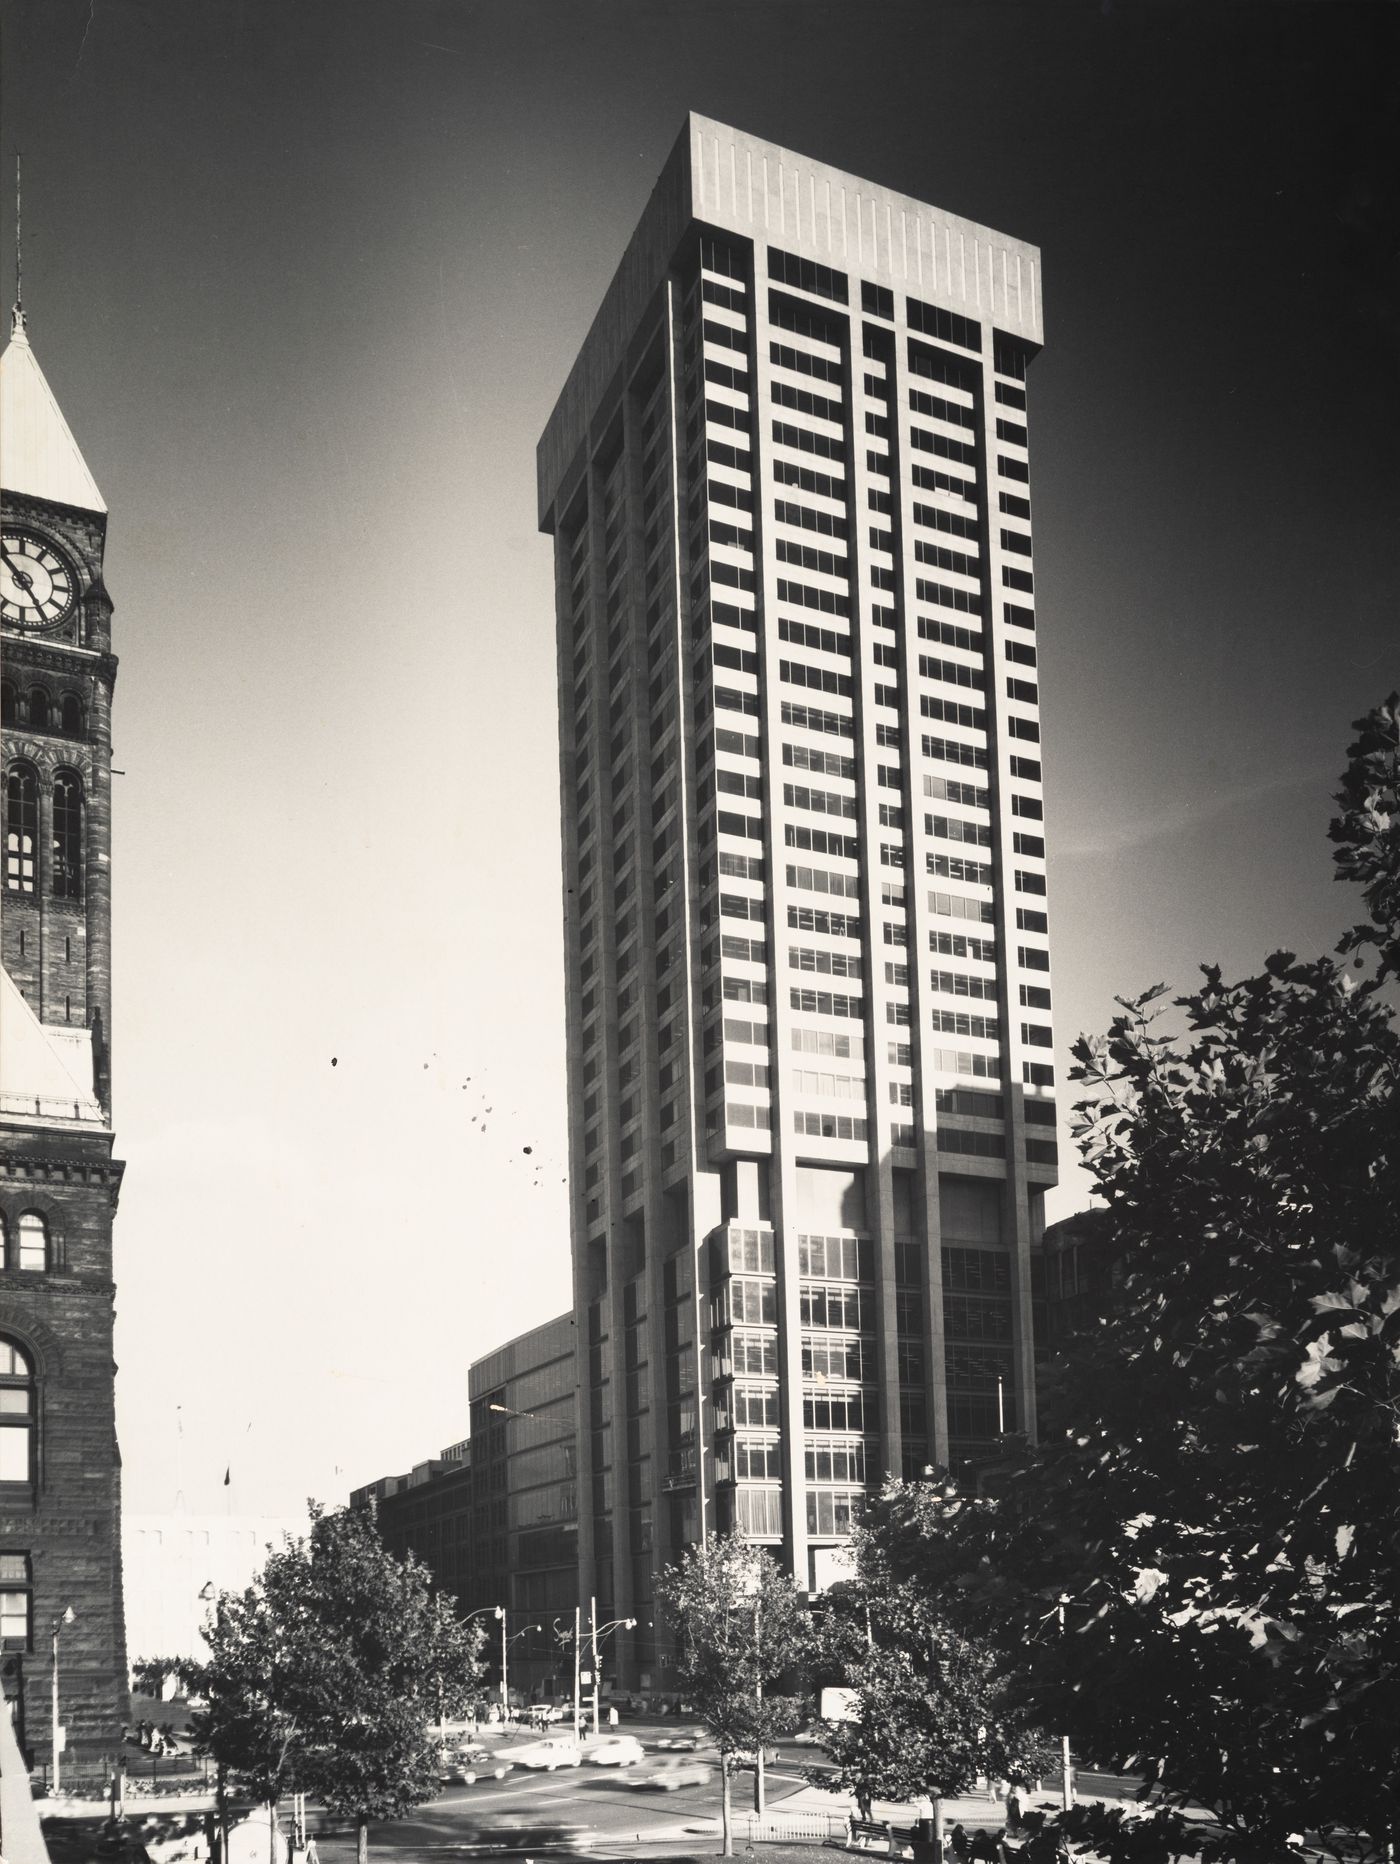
(923, 1818)
(1013, 1807)
(958, 1845)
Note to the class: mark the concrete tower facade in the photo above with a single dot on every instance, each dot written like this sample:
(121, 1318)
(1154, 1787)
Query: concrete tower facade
(811, 1086)
(60, 1547)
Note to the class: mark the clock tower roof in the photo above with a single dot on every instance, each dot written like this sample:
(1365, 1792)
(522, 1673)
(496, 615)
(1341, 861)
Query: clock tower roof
(38, 455)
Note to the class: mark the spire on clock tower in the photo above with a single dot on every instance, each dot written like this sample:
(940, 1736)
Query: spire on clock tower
(39, 458)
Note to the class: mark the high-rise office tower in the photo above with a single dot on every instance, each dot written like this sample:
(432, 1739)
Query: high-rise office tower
(810, 1075)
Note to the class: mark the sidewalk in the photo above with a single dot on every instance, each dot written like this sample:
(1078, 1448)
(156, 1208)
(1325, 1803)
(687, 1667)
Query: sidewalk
(973, 1810)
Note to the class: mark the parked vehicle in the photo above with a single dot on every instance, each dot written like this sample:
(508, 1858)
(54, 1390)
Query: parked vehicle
(546, 1755)
(613, 1750)
(664, 1776)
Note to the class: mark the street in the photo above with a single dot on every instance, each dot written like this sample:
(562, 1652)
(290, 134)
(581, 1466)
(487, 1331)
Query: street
(585, 1806)
(595, 1808)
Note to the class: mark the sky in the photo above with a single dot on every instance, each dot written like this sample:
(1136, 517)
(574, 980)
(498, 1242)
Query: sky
(306, 279)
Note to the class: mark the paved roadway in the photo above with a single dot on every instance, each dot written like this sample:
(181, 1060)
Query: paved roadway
(594, 1809)
(587, 1807)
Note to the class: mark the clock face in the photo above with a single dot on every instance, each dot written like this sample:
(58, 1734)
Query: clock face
(37, 585)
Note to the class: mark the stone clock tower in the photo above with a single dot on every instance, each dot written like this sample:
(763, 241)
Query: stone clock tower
(60, 1481)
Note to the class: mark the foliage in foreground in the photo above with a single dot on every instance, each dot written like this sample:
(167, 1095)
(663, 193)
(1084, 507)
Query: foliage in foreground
(742, 1636)
(931, 1711)
(324, 1675)
(1220, 1501)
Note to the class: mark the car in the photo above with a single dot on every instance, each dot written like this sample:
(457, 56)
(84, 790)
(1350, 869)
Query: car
(469, 1764)
(484, 1759)
(544, 1756)
(679, 1744)
(613, 1750)
(664, 1776)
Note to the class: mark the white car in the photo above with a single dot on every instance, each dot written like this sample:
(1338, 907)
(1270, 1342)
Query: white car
(544, 1756)
(676, 1770)
(613, 1750)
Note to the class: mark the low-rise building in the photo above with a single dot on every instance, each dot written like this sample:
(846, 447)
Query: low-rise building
(495, 1517)
(1073, 1271)
(428, 1512)
(525, 1499)
(176, 1565)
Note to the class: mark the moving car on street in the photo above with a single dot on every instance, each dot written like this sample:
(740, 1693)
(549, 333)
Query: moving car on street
(613, 1750)
(664, 1776)
(468, 1764)
(546, 1755)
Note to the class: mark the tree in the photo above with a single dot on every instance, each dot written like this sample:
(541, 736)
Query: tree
(1219, 1497)
(326, 1674)
(741, 1632)
(245, 1721)
(932, 1709)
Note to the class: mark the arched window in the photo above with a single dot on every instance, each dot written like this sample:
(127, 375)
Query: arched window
(21, 829)
(39, 708)
(33, 1242)
(72, 715)
(18, 1417)
(67, 836)
(9, 711)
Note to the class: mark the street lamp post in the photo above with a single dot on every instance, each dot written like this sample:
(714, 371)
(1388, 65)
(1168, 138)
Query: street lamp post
(496, 1611)
(595, 1632)
(56, 1731)
(1066, 1769)
(506, 1642)
(758, 1780)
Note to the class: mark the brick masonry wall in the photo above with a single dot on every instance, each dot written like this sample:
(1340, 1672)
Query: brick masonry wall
(69, 1525)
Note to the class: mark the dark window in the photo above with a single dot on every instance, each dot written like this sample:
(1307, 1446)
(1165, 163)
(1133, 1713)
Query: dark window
(16, 1602)
(717, 256)
(67, 836)
(945, 325)
(788, 269)
(18, 1410)
(8, 709)
(877, 299)
(21, 829)
(71, 713)
(39, 708)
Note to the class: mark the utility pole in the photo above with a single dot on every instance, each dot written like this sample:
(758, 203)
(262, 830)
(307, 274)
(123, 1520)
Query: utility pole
(1066, 1768)
(758, 1781)
(577, 1633)
(593, 1635)
(505, 1694)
